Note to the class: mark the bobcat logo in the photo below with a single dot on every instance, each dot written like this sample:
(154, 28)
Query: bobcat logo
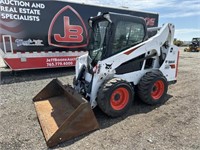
(108, 66)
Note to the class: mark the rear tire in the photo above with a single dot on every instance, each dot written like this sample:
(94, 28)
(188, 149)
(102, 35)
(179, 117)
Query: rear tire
(152, 88)
(115, 97)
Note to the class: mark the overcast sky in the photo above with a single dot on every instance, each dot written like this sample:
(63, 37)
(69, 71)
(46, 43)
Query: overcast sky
(185, 14)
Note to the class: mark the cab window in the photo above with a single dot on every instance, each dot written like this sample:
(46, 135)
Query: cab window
(127, 35)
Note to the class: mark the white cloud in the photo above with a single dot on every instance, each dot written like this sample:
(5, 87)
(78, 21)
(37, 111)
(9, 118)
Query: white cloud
(180, 14)
(148, 4)
(184, 8)
(135, 4)
(187, 34)
(186, 31)
(175, 8)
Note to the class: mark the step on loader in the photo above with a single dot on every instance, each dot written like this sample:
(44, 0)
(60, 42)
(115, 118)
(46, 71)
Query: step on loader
(122, 60)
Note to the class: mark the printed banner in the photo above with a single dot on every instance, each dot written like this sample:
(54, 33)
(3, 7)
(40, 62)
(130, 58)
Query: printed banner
(35, 26)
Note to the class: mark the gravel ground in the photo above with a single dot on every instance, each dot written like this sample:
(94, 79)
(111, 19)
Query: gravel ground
(173, 125)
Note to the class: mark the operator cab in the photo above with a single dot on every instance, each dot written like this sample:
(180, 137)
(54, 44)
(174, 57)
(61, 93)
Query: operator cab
(196, 41)
(111, 33)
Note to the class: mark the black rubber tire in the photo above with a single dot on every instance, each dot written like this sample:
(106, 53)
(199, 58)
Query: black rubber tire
(146, 85)
(105, 93)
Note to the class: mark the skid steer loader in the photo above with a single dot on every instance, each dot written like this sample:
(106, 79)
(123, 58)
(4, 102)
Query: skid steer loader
(121, 61)
(194, 46)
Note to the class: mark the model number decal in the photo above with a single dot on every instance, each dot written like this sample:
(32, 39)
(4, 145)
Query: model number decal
(171, 61)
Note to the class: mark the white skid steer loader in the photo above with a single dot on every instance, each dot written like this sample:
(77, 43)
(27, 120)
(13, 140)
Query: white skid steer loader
(121, 61)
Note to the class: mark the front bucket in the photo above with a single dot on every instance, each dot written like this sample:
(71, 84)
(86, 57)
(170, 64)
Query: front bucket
(63, 113)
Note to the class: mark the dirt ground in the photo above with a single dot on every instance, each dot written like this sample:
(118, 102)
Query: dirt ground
(175, 125)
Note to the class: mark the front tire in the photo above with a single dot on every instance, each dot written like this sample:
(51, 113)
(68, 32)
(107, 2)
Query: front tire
(152, 88)
(115, 97)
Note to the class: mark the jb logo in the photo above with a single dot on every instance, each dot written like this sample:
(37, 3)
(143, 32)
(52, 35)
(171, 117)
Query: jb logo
(67, 29)
(72, 33)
